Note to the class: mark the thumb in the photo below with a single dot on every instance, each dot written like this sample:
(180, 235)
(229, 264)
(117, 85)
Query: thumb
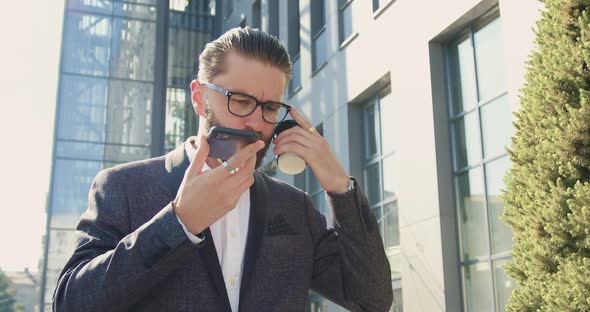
(200, 156)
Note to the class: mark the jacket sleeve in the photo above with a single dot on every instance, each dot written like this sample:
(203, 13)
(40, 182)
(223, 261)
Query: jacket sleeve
(350, 266)
(111, 267)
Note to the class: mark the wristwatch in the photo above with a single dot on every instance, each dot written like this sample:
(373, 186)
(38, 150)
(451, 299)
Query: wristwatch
(351, 184)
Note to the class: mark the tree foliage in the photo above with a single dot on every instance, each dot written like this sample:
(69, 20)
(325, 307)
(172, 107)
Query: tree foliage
(7, 302)
(547, 193)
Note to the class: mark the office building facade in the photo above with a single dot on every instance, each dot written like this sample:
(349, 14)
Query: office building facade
(415, 98)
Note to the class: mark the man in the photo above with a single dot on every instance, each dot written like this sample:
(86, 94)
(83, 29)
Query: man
(184, 233)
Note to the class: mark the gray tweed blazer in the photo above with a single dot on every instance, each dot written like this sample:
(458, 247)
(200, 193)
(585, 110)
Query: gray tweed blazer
(132, 254)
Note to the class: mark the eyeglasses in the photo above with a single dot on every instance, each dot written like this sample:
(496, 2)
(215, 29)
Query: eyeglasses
(242, 105)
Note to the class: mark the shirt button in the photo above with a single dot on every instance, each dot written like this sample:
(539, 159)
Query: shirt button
(232, 282)
(233, 234)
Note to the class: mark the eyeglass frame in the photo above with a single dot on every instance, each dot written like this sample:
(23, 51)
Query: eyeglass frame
(258, 103)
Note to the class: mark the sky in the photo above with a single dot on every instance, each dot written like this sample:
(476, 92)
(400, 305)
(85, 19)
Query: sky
(29, 61)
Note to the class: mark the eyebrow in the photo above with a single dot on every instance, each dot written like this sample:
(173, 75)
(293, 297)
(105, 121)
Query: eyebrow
(248, 94)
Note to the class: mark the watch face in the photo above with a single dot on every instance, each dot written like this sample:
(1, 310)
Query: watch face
(351, 184)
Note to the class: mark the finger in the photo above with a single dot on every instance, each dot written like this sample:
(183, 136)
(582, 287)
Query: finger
(239, 159)
(198, 161)
(246, 184)
(293, 133)
(293, 147)
(302, 121)
(236, 181)
(305, 140)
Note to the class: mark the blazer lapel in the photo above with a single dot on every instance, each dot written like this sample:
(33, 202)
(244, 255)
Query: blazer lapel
(258, 204)
(209, 257)
(176, 164)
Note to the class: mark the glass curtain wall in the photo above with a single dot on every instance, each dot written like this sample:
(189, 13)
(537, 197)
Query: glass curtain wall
(190, 26)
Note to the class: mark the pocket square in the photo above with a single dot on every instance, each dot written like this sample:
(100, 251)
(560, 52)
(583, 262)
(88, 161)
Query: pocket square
(278, 226)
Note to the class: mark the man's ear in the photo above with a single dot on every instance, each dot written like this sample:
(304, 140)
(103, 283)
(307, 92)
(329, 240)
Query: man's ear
(197, 97)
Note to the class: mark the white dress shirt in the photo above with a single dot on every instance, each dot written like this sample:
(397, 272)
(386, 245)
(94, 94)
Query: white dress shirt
(229, 237)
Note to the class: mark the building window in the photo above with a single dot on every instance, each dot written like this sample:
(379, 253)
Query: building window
(294, 44)
(379, 176)
(481, 127)
(256, 12)
(376, 4)
(273, 18)
(319, 37)
(190, 25)
(344, 20)
(380, 5)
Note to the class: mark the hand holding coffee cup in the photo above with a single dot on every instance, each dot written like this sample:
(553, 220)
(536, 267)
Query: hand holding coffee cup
(289, 163)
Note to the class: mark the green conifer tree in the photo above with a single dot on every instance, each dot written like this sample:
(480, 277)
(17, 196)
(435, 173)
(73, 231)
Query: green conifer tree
(6, 294)
(547, 193)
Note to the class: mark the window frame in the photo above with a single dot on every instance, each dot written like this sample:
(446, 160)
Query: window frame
(318, 29)
(491, 257)
(342, 39)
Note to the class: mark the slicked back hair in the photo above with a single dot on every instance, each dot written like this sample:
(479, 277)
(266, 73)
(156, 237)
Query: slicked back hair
(248, 42)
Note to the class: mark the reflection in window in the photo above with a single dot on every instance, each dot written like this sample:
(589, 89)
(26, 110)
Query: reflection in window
(467, 144)
(371, 131)
(488, 48)
(293, 44)
(503, 283)
(132, 59)
(496, 126)
(79, 150)
(273, 18)
(256, 14)
(501, 234)
(87, 41)
(94, 6)
(229, 8)
(344, 19)
(462, 83)
(177, 112)
(59, 250)
(478, 287)
(319, 37)
(295, 82)
(129, 112)
(130, 10)
(481, 127)
(378, 4)
(470, 198)
(82, 108)
(71, 182)
(189, 29)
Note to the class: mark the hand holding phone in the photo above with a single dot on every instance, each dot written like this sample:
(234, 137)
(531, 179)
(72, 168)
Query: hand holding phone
(225, 142)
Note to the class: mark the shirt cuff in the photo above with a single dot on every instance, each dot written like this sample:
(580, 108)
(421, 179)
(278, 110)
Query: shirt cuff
(193, 238)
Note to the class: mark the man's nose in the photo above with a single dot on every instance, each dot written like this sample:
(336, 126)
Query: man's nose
(254, 121)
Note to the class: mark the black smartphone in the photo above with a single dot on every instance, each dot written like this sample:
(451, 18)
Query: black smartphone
(224, 142)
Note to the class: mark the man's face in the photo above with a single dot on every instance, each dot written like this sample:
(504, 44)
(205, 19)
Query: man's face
(249, 76)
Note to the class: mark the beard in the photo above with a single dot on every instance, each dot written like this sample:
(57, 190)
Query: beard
(211, 121)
